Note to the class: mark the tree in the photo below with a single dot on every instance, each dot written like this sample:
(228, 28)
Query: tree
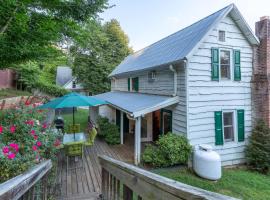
(30, 28)
(258, 149)
(97, 50)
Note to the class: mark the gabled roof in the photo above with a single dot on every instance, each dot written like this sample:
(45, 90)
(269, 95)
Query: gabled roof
(179, 45)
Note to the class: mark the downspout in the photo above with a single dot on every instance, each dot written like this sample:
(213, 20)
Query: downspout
(174, 80)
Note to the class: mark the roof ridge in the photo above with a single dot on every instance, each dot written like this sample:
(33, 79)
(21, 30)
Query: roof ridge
(232, 4)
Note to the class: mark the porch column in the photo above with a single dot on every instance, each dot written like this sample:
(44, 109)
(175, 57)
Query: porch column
(137, 145)
(122, 127)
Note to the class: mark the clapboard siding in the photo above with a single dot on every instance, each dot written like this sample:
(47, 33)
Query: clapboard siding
(207, 96)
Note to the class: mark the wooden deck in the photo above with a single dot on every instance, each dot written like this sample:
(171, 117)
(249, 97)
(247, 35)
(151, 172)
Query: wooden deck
(81, 179)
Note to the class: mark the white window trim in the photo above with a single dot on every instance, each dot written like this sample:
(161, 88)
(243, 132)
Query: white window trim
(231, 64)
(235, 125)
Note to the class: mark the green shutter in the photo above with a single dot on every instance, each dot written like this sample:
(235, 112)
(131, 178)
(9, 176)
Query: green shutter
(215, 64)
(128, 84)
(218, 128)
(241, 125)
(136, 84)
(237, 66)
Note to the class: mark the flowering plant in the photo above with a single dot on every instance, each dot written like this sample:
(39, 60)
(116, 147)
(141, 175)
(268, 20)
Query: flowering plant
(25, 139)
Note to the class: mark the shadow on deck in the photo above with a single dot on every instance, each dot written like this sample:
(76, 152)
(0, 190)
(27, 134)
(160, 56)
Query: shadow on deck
(82, 178)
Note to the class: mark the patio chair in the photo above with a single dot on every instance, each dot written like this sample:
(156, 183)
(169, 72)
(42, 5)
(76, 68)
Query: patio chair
(74, 128)
(73, 149)
(91, 138)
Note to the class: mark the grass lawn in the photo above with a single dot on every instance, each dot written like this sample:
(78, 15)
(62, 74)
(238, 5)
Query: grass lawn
(81, 117)
(238, 183)
(7, 93)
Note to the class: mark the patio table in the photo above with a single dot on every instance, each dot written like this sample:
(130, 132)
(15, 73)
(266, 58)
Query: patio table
(69, 138)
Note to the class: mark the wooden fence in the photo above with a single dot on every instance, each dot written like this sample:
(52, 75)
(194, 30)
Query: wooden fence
(124, 181)
(24, 185)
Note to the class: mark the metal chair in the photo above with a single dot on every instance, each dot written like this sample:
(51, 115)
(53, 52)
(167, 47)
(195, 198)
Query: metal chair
(74, 128)
(91, 139)
(73, 149)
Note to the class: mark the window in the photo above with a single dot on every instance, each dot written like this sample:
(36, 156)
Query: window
(151, 76)
(228, 128)
(133, 84)
(221, 36)
(166, 121)
(225, 64)
(73, 84)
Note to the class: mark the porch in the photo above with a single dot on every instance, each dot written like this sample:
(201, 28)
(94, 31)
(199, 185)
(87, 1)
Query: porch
(142, 117)
(82, 179)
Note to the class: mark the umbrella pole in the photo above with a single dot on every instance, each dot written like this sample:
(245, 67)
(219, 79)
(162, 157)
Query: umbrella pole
(73, 123)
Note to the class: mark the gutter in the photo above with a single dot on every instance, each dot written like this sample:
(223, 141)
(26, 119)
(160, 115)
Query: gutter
(174, 80)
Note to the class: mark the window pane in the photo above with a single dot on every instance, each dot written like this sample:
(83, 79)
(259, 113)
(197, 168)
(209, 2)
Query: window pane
(225, 71)
(221, 36)
(225, 57)
(167, 122)
(228, 119)
(228, 134)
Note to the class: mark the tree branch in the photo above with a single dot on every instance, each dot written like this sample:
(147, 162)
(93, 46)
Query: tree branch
(8, 21)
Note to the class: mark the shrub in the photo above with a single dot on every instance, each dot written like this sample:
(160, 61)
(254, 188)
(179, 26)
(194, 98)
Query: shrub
(109, 131)
(50, 89)
(24, 140)
(258, 149)
(112, 135)
(170, 149)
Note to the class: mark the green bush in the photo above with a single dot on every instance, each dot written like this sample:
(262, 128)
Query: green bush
(170, 149)
(50, 89)
(109, 131)
(258, 149)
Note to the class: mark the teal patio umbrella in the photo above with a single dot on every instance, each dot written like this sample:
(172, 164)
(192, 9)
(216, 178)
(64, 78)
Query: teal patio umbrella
(72, 100)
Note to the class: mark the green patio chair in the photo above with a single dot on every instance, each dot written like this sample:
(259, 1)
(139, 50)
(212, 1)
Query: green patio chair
(92, 136)
(74, 128)
(73, 149)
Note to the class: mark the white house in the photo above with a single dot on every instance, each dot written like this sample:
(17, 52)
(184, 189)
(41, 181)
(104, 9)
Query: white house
(195, 82)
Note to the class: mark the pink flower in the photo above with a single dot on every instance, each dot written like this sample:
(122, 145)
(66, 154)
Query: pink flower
(34, 147)
(57, 143)
(5, 150)
(30, 122)
(1, 129)
(39, 143)
(11, 156)
(14, 146)
(44, 125)
(33, 132)
(27, 103)
(35, 137)
(12, 129)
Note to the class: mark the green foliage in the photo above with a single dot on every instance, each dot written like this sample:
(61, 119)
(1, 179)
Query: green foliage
(102, 126)
(98, 49)
(7, 93)
(81, 116)
(170, 149)
(258, 149)
(25, 128)
(28, 75)
(51, 89)
(236, 182)
(109, 131)
(30, 27)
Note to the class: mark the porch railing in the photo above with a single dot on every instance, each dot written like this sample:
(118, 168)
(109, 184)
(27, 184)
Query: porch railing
(124, 181)
(27, 185)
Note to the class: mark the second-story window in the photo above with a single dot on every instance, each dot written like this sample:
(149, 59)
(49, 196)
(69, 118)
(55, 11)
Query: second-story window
(221, 36)
(133, 84)
(73, 84)
(225, 64)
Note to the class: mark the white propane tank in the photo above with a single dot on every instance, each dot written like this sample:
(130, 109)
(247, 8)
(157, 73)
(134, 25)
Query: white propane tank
(206, 162)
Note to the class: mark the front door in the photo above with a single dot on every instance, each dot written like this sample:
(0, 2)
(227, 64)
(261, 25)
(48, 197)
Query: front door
(156, 125)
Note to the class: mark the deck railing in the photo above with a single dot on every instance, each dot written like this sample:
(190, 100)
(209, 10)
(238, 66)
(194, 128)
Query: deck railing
(124, 181)
(31, 185)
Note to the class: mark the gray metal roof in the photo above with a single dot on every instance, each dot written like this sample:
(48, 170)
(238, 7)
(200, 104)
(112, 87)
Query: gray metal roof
(177, 46)
(136, 104)
(63, 75)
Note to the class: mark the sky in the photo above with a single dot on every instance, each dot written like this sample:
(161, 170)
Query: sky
(147, 21)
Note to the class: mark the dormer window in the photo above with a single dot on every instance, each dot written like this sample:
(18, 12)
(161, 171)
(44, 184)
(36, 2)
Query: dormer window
(221, 36)
(152, 76)
(73, 84)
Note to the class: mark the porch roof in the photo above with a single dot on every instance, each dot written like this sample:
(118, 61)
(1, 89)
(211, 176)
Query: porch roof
(137, 104)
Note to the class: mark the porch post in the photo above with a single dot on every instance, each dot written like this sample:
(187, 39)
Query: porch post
(122, 127)
(137, 145)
